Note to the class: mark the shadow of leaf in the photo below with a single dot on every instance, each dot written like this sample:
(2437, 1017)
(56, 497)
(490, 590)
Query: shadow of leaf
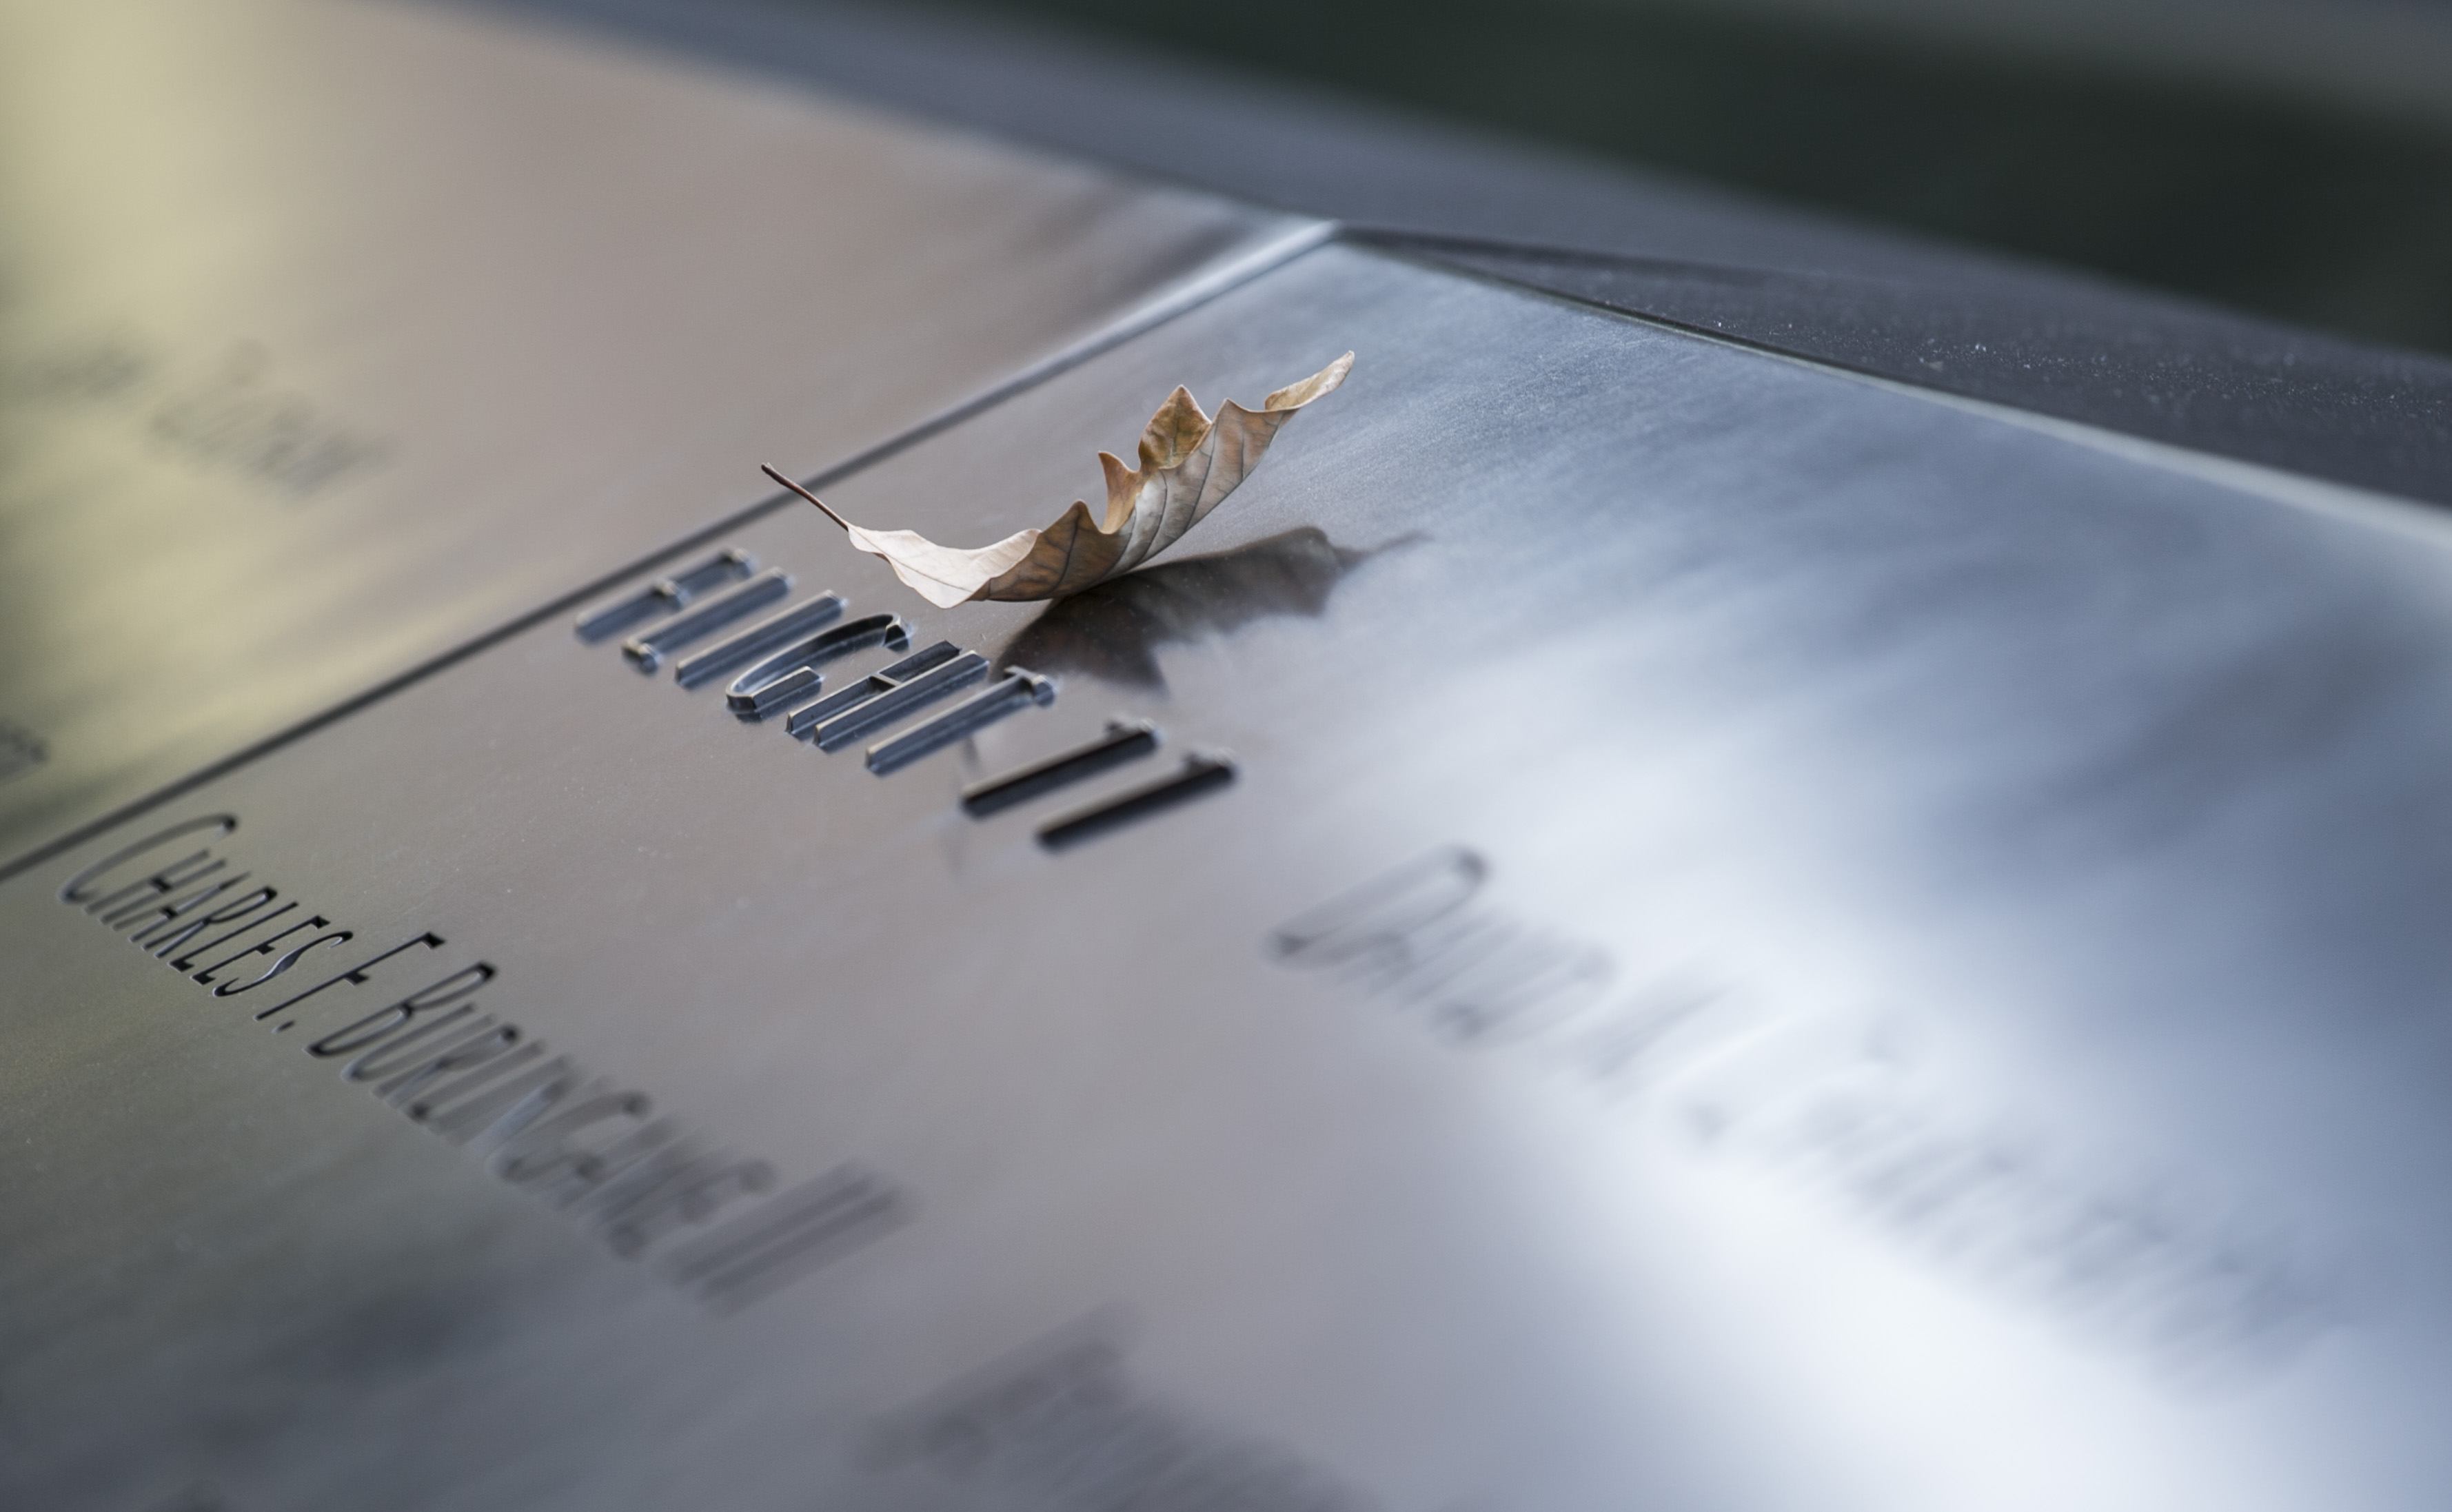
(1112, 630)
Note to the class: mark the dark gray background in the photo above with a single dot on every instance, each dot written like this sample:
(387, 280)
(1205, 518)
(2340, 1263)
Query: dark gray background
(2165, 244)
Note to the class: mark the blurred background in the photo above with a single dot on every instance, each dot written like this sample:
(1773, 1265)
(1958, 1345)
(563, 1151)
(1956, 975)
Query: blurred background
(2290, 158)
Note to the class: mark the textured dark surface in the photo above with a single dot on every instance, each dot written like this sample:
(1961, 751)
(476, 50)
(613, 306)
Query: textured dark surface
(2323, 206)
(2103, 355)
(1981, 325)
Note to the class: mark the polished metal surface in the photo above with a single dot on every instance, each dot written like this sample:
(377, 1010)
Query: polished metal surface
(1701, 255)
(335, 334)
(1774, 943)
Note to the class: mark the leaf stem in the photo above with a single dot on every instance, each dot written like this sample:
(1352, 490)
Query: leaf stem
(806, 493)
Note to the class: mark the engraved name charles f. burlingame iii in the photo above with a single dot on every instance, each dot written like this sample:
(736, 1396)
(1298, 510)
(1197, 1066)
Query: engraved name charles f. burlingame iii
(715, 1225)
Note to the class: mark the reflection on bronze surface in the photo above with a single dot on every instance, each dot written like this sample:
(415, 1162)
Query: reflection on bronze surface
(1112, 630)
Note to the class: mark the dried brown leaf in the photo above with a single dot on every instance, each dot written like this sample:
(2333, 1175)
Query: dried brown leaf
(1188, 465)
